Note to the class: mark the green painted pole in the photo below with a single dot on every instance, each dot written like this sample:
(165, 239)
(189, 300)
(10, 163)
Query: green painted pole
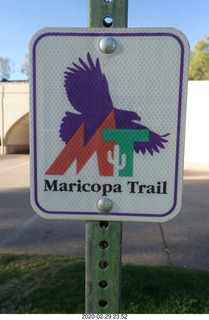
(103, 266)
(101, 12)
(103, 238)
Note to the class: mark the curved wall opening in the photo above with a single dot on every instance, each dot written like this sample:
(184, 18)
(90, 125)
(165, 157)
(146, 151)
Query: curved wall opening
(17, 137)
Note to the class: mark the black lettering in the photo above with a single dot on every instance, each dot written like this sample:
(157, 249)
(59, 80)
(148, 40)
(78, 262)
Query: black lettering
(52, 186)
(63, 187)
(84, 186)
(151, 189)
(95, 187)
(79, 186)
(106, 188)
(133, 184)
(70, 186)
(164, 187)
(141, 187)
(158, 187)
(117, 188)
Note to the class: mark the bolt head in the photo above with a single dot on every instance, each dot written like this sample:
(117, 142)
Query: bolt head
(107, 45)
(104, 205)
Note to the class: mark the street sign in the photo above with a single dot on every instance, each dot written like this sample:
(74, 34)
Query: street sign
(108, 112)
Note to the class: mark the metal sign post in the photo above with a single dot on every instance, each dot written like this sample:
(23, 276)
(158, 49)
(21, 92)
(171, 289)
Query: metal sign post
(104, 238)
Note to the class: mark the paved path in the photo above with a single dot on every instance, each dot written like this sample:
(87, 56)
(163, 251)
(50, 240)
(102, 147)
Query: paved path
(181, 242)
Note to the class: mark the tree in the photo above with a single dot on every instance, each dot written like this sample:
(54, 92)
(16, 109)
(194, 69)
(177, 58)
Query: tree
(25, 66)
(199, 61)
(5, 68)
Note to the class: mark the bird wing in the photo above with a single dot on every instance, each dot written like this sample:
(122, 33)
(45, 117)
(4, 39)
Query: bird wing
(155, 143)
(70, 124)
(131, 120)
(87, 88)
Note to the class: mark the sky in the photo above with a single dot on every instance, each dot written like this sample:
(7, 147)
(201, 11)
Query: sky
(20, 19)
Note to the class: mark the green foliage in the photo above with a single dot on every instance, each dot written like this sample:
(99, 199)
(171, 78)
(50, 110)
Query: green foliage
(5, 68)
(56, 285)
(25, 66)
(199, 62)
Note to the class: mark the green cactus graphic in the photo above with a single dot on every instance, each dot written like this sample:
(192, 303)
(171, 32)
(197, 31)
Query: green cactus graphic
(118, 163)
(124, 150)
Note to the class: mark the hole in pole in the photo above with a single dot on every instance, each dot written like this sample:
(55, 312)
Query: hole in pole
(108, 1)
(103, 303)
(103, 244)
(103, 284)
(104, 224)
(107, 22)
(103, 264)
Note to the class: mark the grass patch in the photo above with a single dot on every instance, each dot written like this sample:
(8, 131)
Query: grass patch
(45, 284)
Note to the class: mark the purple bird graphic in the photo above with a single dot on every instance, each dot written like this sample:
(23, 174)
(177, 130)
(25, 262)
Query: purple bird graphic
(87, 91)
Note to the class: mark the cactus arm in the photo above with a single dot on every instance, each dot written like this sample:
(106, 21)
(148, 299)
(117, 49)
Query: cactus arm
(115, 160)
(123, 162)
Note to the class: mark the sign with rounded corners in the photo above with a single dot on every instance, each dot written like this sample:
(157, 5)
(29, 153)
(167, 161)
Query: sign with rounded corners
(108, 112)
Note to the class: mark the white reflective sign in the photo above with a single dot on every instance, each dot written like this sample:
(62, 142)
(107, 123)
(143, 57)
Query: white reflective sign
(108, 122)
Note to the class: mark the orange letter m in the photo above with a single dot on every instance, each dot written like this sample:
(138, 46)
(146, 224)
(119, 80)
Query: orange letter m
(75, 150)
